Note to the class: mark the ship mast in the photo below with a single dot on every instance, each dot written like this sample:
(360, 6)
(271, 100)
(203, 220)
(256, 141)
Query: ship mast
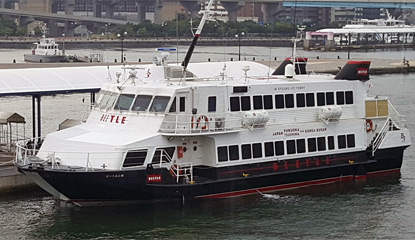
(196, 36)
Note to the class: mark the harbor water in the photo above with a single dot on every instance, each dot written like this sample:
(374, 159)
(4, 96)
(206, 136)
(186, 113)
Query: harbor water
(379, 208)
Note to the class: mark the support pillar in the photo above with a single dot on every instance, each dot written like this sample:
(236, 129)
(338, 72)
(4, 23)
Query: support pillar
(97, 8)
(92, 98)
(158, 5)
(270, 11)
(34, 116)
(69, 6)
(2, 3)
(53, 28)
(193, 7)
(109, 10)
(141, 11)
(53, 8)
(69, 29)
(39, 121)
(233, 8)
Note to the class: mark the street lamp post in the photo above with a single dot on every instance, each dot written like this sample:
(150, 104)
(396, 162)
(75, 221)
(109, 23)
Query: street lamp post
(122, 36)
(63, 44)
(239, 36)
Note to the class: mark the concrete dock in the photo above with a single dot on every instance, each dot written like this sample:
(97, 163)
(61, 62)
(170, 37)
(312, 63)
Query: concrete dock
(9, 176)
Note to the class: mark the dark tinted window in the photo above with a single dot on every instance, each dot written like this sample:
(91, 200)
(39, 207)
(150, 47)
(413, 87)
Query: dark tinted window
(235, 106)
(246, 151)
(289, 100)
(269, 149)
(240, 89)
(173, 106)
(246, 103)
(311, 142)
(300, 145)
(135, 158)
(321, 99)
(279, 101)
(340, 98)
(321, 143)
(234, 152)
(350, 141)
(212, 104)
(279, 148)
(329, 98)
(256, 150)
(349, 97)
(163, 154)
(223, 154)
(291, 147)
(182, 104)
(258, 102)
(341, 141)
(300, 99)
(330, 140)
(310, 99)
(268, 102)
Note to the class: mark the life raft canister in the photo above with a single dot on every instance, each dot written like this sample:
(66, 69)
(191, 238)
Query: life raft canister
(369, 125)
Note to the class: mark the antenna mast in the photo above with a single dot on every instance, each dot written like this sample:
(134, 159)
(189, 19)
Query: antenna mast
(196, 36)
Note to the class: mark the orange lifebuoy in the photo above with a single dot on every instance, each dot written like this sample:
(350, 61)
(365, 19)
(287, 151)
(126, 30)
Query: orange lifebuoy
(199, 119)
(369, 125)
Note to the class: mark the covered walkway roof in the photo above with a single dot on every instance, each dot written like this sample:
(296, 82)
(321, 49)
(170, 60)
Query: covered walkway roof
(48, 81)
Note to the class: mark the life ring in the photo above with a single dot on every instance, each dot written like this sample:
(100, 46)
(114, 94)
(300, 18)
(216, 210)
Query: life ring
(369, 125)
(199, 119)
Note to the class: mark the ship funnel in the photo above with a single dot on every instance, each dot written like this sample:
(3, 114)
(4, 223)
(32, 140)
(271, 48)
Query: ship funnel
(354, 70)
(300, 66)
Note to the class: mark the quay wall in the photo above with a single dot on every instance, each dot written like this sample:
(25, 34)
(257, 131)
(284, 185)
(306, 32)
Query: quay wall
(76, 43)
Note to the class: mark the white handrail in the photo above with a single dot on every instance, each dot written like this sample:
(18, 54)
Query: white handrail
(381, 135)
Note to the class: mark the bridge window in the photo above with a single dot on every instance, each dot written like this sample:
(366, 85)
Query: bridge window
(124, 102)
(173, 106)
(329, 98)
(321, 99)
(159, 104)
(321, 143)
(182, 104)
(141, 102)
(340, 98)
(311, 142)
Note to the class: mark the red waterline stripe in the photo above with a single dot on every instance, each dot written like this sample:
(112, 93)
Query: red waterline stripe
(362, 177)
(278, 187)
(285, 164)
(389, 171)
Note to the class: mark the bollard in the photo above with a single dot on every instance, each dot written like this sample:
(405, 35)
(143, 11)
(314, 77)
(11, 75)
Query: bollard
(275, 58)
(115, 60)
(208, 59)
(318, 57)
(338, 57)
(14, 60)
(231, 59)
(253, 59)
(139, 60)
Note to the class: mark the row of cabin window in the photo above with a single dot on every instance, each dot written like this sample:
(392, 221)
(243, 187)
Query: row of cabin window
(294, 146)
(137, 157)
(243, 103)
(133, 102)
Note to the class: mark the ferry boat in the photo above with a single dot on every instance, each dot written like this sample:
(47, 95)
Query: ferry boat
(46, 50)
(219, 130)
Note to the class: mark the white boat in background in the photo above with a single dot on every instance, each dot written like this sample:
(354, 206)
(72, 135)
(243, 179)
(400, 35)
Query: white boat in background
(46, 50)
